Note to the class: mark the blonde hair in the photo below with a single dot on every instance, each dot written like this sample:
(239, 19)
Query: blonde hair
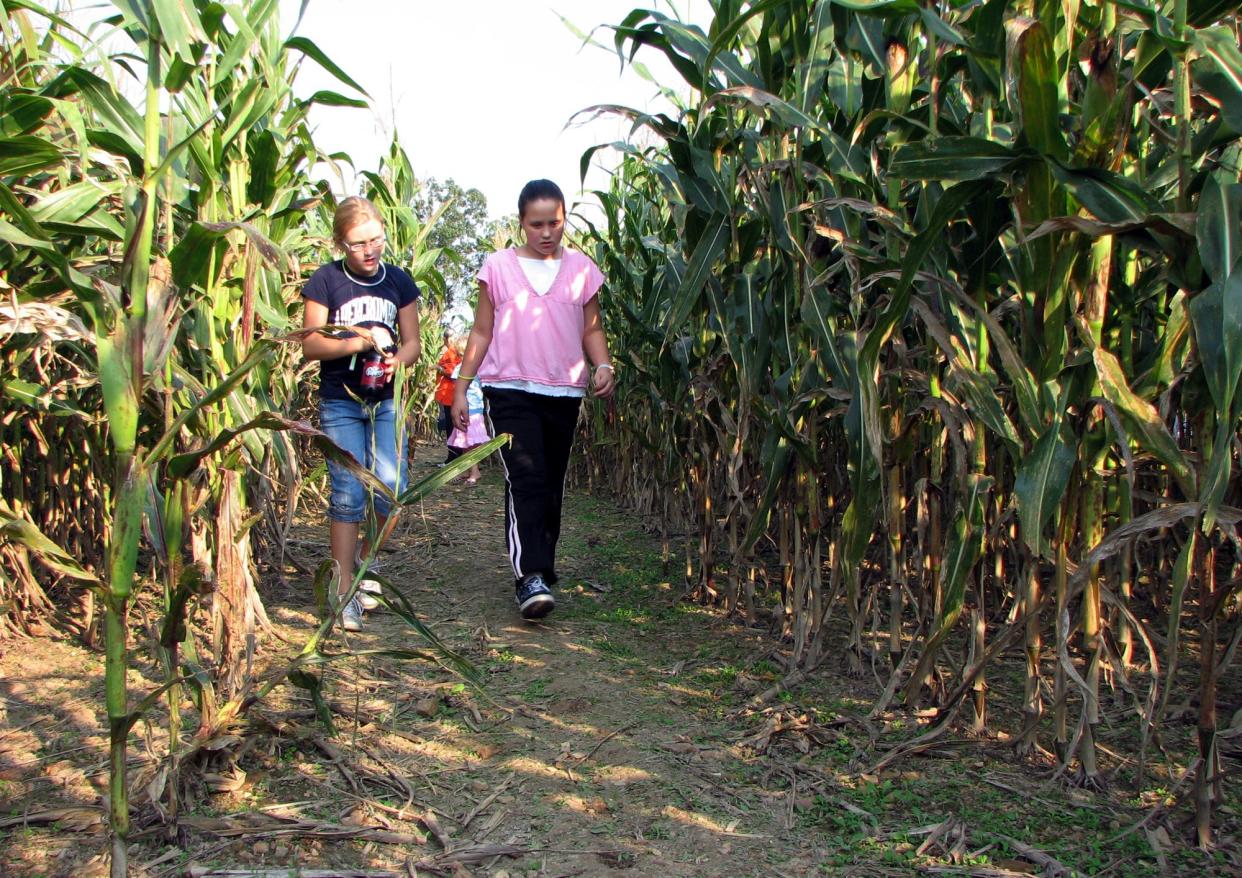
(351, 212)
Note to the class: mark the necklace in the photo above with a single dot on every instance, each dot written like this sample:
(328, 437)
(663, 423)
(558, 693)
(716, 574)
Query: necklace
(382, 273)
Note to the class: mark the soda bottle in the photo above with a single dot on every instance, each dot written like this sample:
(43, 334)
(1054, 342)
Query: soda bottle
(372, 381)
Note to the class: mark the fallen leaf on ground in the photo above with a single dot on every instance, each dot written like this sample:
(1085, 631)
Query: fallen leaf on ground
(427, 707)
(679, 747)
(73, 819)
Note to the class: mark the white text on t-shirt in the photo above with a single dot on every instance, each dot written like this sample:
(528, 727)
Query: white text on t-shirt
(367, 309)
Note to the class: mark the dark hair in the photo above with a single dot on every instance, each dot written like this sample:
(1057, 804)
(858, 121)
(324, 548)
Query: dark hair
(537, 189)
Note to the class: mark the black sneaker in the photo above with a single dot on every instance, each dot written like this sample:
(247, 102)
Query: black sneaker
(534, 600)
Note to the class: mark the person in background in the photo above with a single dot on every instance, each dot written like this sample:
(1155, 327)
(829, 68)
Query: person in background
(378, 303)
(476, 433)
(446, 367)
(537, 331)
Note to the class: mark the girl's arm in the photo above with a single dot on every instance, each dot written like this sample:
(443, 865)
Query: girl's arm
(595, 344)
(476, 349)
(318, 346)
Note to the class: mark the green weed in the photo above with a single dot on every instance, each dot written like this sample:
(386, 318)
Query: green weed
(536, 690)
(658, 831)
(611, 647)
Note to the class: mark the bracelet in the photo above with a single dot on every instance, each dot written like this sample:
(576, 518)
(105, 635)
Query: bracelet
(467, 377)
(607, 366)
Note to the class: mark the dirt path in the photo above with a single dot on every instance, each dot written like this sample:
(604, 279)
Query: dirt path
(592, 749)
(598, 753)
(609, 739)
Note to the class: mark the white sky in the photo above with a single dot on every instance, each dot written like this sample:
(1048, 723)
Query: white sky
(479, 90)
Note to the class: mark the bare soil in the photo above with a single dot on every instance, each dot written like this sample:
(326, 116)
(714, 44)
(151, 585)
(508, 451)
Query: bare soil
(613, 738)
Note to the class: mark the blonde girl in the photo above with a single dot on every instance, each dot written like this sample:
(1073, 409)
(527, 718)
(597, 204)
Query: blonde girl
(379, 302)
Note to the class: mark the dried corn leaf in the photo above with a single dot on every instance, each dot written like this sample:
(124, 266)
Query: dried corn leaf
(254, 824)
(225, 782)
(432, 825)
(73, 819)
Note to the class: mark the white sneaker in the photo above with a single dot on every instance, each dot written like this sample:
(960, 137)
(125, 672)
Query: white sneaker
(351, 615)
(367, 589)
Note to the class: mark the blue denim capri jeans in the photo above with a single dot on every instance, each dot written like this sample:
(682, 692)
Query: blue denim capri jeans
(368, 432)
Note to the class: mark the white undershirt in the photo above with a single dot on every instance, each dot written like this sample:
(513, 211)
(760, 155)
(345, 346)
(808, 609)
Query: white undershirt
(541, 273)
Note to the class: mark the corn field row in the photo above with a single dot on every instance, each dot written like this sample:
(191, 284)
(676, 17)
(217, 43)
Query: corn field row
(157, 206)
(929, 318)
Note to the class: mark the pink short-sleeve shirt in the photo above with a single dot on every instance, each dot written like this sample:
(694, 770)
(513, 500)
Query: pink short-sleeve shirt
(538, 338)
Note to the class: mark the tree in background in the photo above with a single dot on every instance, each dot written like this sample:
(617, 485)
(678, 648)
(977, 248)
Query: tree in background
(464, 232)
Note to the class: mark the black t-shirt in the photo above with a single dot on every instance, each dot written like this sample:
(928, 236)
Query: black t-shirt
(358, 301)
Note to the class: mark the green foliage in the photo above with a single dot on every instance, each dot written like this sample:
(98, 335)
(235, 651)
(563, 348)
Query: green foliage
(151, 255)
(462, 231)
(912, 273)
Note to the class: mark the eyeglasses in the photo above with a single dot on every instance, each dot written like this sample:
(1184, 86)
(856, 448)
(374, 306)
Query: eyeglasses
(359, 246)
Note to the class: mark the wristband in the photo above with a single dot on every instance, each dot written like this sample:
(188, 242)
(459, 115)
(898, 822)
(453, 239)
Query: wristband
(607, 366)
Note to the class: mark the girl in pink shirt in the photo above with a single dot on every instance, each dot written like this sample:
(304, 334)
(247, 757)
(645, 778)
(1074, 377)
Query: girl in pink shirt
(537, 332)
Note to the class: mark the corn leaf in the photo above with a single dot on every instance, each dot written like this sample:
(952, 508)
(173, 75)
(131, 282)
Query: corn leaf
(312, 51)
(1217, 317)
(335, 99)
(954, 158)
(1218, 71)
(819, 57)
(893, 7)
(774, 460)
(401, 606)
(20, 530)
(1218, 229)
(457, 466)
(195, 251)
(961, 554)
(27, 153)
(312, 685)
(120, 120)
(708, 249)
(980, 392)
(1143, 419)
(1109, 196)
(1034, 92)
(1040, 485)
(180, 27)
(1177, 598)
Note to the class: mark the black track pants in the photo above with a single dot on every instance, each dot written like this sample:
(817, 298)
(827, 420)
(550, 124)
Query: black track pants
(534, 462)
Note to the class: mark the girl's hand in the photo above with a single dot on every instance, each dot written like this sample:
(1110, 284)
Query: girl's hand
(461, 411)
(603, 383)
(382, 340)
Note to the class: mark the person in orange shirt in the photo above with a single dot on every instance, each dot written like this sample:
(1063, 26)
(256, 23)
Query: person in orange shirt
(444, 389)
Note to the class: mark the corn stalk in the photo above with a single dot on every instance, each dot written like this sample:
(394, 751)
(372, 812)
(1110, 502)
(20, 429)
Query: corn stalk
(879, 220)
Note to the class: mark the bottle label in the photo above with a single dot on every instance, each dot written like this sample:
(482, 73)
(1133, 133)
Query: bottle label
(372, 373)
